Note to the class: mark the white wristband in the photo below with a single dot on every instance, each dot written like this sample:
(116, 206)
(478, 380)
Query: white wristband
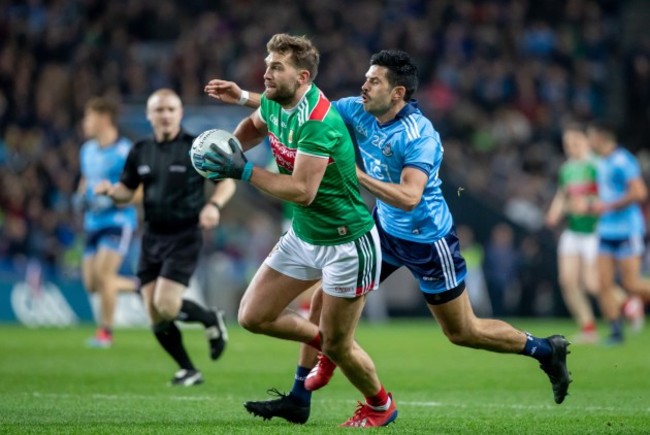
(243, 98)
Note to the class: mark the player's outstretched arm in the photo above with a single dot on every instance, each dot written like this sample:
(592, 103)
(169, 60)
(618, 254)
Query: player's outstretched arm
(556, 209)
(230, 93)
(118, 192)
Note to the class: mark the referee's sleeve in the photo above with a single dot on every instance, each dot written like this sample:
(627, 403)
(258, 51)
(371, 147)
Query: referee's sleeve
(130, 177)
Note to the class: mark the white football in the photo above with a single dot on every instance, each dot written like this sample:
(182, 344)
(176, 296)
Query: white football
(201, 145)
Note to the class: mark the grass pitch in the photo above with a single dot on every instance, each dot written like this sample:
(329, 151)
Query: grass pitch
(51, 383)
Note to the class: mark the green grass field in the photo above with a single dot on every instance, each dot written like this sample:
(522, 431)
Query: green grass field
(51, 383)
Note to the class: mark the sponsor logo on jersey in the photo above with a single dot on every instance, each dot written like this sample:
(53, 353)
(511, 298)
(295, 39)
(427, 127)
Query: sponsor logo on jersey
(284, 156)
(362, 131)
(177, 168)
(144, 169)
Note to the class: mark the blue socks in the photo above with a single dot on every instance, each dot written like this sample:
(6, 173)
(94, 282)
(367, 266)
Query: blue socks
(617, 328)
(538, 348)
(298, 390)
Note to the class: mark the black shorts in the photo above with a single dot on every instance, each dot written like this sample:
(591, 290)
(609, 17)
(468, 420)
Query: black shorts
(172, 256)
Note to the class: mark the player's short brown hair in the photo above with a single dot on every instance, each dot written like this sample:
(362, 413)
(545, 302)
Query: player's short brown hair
(104, 106)
(303, 53)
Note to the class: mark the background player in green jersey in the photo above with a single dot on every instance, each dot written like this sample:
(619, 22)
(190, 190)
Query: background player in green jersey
(332, 235)
(578, 243)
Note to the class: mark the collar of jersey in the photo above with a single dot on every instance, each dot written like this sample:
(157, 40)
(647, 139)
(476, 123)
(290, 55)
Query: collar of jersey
(411, 107)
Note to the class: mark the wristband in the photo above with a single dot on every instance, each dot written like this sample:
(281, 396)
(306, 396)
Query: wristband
(247, 172)
(243, 98)
(217, 206)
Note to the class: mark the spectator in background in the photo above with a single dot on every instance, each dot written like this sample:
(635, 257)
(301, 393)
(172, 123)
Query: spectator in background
(109, 228)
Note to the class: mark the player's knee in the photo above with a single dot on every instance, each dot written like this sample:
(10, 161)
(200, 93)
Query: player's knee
(455, 337)
(249, 321)
(460, 337)
(630, 284)
(166, 309)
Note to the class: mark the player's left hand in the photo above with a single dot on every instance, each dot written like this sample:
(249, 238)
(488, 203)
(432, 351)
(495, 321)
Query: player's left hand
(223, 165)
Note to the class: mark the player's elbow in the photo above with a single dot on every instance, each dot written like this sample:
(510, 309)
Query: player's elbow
(304, 197)
(409, 203)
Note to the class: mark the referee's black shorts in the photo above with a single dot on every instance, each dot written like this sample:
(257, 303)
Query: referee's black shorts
(173, 256)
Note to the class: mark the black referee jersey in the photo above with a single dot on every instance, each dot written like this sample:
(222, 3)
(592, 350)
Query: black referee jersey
(173, 190)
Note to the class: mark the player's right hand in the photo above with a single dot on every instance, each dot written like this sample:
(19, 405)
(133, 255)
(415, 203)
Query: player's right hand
(223, 90)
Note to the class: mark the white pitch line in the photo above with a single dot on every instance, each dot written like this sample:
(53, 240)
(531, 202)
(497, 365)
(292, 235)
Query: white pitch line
(426, 404)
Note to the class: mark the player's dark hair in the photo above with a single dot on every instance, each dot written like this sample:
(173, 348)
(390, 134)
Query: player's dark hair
(604, 128)
(573, 126)
(303, 53)
(104, 106)
(401, 69)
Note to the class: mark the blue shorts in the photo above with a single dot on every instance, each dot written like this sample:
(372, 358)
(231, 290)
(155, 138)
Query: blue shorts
(632, 246)
(114, 238)
(438, 266)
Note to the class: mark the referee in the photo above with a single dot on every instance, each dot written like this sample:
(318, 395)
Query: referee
(174, 212)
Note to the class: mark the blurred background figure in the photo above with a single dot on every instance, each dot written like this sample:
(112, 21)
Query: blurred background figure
(578, 243)
(175, 212)
(109, 228)
(475, 279)
(500, 267)
(621, 226)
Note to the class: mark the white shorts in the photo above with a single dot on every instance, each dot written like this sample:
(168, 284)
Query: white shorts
(584, 245)
(348, 270)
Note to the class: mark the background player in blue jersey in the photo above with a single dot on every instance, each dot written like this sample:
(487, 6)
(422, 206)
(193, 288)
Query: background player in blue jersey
(109, 228)
(402, 154)
(621, 227)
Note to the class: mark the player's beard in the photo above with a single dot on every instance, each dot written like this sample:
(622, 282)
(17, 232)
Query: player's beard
(375, 107)
(284, 94)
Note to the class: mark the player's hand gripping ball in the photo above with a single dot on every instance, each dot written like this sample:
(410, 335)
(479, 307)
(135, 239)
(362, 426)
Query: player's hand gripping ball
(217, 154)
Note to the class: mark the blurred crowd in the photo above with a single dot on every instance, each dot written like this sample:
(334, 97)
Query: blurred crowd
(498, 79)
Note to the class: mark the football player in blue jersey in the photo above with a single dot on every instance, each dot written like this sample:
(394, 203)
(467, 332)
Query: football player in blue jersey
(109, 228)
(621, 226)
(402, 154)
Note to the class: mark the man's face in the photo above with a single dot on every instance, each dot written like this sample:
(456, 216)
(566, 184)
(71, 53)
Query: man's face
(575, 144)
(281, 78)
(92, 124)
(376, 92)
(165, 112)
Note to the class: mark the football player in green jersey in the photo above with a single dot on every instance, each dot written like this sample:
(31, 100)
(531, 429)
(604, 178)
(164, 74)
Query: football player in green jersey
(332, 237)
(578, 243)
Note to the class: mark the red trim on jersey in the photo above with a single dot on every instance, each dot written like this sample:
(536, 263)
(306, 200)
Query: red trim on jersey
(320, 109)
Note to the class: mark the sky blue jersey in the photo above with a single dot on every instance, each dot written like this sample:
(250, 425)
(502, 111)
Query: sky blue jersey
(408, 140)
(98, 164)
(614, 172)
